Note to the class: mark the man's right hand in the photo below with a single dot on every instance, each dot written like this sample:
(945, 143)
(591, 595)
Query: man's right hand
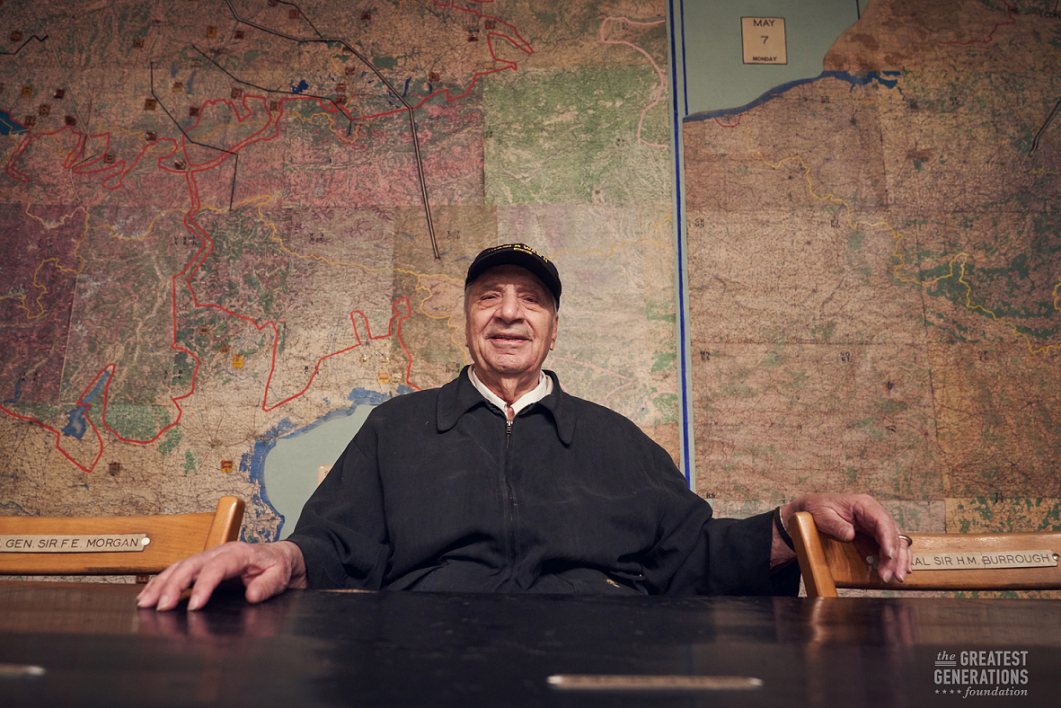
(266, 569)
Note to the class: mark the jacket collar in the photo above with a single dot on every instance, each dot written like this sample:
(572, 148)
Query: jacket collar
(459, 396)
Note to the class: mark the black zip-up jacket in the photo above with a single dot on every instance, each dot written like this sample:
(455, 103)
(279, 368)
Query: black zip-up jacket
(437, 491)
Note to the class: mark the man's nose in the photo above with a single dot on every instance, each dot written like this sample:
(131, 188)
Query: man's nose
(511, 307)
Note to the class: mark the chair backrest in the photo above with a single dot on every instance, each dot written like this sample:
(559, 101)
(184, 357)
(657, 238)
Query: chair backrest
(942, 561)
(170, 538)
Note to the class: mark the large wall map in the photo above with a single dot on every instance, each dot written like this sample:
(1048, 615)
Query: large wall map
(874, 260)
(226, 221)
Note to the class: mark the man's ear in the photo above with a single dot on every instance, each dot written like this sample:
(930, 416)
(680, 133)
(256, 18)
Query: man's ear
(556, 327)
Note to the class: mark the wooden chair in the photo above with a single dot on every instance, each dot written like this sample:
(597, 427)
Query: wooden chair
(169, 538)
(827, 563)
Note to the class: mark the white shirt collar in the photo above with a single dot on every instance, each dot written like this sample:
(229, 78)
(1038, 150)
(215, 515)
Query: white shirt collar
(543, 389)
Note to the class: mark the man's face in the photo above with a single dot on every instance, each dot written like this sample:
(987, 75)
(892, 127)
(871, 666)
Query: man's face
(510, 323)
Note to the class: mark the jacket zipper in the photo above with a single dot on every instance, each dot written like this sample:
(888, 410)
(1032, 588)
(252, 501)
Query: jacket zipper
(510, 503)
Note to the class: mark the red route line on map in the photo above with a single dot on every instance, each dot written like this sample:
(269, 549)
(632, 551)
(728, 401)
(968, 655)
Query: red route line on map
(111, 369)
(118, 172)
(1011, 11)
(397, 315)
(325, 105)
(740, 116)
(58, 434)
(523, 45)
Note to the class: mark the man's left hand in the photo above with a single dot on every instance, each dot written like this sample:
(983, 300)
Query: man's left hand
(840, 515)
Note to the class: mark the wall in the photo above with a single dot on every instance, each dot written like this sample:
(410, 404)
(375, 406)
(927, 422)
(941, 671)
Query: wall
(215, 237)
(215, 234)
(873, 274)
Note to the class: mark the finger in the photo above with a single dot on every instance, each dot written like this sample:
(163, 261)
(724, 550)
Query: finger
(265, 585)
(892, 563)
(842, 516)
(225, 562)
(211, 575)
(159, 586)
(839, 528)
(830, 521)
(184, 573)
(906, 557)
(902, 560)
(149, 594)
(889, 556)
(872, 517)
(272, 576)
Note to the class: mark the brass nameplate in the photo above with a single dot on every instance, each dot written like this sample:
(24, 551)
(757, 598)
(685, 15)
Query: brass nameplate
(649, 682)
(75, 543)
(984, 561)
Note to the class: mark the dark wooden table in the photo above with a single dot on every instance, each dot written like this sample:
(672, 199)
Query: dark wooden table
(438, 650)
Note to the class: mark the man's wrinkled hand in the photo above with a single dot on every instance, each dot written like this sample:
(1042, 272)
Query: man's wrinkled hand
(265, 569)
(841, 515)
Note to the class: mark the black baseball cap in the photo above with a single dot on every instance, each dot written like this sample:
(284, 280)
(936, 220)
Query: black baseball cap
(517, 254)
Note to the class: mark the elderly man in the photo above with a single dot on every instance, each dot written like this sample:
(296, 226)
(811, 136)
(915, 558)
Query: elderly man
(501, 482)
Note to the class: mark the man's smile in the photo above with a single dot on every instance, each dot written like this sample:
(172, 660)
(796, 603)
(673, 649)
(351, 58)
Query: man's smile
(506, 337)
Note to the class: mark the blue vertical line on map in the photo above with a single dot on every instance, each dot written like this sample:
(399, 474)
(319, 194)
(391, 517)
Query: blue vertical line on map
(681, 296)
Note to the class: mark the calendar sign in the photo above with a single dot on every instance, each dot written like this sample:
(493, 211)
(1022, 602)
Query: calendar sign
(764, 40)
